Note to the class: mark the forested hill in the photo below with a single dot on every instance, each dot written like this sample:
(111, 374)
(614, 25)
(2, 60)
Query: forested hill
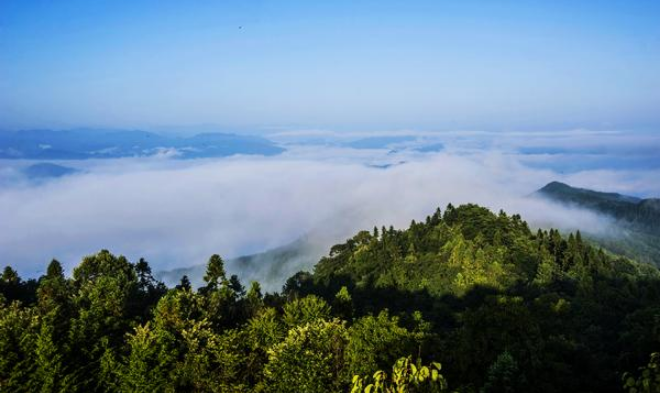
(636, 211)
(562, 309)
(454, 251)
(503, 309)
(635, 222)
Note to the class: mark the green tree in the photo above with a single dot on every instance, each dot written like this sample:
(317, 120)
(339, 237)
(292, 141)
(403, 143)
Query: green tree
(49, 362)
(305, 310)
(377, 342)
(343, 304)
(215, 275)
(504, 376)
(151, 360)
(310, 359)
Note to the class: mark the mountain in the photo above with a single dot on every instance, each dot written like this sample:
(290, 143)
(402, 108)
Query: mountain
(635, 239)
(379, 142)
(432, 148)
(85, 144)
(489, 285)
(46, 170)
(636, 211)
(268, 267)
(636, 220)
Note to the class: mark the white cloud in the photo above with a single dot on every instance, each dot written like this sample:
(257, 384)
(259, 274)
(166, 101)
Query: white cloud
(177, 213)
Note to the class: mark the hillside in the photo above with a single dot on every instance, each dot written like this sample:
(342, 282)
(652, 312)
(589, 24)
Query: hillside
(636, 220)
(502, 308)
(643, 213)
(488, 284)
(272, 264)
(635, 238)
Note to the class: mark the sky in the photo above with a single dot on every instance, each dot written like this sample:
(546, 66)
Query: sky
(425, 65)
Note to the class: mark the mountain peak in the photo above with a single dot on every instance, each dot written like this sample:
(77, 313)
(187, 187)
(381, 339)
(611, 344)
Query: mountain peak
(630, 209)
(556, 189)
(555, 185)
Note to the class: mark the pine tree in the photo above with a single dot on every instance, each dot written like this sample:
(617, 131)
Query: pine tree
(215, 275)
(184, 284)
(49, 360)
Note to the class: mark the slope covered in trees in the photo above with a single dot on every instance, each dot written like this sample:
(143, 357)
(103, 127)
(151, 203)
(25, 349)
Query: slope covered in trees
(636, 211)
(635, 227)
(467, 300)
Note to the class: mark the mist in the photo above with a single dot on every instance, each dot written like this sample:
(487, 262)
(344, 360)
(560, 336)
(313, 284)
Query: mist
(176, 213)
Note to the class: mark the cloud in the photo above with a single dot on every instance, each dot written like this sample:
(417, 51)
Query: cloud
(177, 215)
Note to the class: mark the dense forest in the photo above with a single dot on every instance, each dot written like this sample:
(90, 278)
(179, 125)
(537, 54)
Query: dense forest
(466, 300)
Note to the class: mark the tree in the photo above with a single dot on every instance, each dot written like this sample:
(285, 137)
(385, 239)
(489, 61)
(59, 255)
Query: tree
(310, 359)
(53, 292)
(215, 275)
(49, 361)
(343, 304)
(18, 333)
(305, 310)
(235, 285)
(377, 342)
(151, 361)
(10, 276)
(254, 299)
(146, 281)
(504, 376)
(54, 269)
(184, 284)
(105, 287)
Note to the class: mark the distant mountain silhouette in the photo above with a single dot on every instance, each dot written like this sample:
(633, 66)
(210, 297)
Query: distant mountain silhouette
(637, 211)
(85, 144)
(637, 219)
(46, 170)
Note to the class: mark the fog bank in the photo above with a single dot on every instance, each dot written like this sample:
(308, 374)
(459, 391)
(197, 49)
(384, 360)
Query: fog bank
(177, 213)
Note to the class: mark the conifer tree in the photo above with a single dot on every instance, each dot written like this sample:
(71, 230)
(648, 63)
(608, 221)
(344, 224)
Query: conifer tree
(215, 274)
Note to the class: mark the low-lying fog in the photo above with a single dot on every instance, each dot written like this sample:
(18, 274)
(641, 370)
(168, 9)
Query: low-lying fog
(176, 213)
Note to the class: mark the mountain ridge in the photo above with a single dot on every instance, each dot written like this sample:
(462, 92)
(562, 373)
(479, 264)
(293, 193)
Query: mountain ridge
(80, 144)
(635, 220)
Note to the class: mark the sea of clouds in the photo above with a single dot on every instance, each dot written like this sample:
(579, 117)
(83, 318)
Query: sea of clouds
(176, 213)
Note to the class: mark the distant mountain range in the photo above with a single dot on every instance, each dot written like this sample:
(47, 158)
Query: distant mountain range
(380, 142)
(86, 144)
(637, 219)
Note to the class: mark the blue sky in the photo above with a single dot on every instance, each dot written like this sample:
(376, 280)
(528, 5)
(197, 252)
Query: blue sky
(332, 65)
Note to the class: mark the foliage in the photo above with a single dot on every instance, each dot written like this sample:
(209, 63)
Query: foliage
(504, 308)
(309, 359)
(406, 377)
(648, 379)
